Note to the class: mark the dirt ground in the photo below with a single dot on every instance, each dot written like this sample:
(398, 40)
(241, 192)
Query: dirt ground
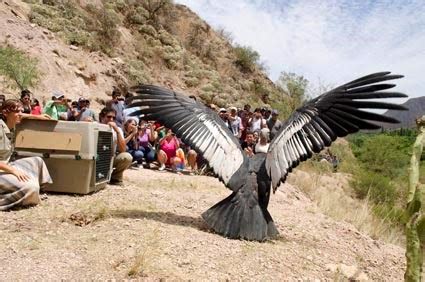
(151, 229)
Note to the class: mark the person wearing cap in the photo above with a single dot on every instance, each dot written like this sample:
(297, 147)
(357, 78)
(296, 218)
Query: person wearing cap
(274, 124)
(224, 116)
(118, 105)
(58, 107)
(235, 122)
(83, 113)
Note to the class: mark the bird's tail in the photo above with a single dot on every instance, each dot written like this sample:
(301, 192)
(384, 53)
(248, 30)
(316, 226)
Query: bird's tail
(240, 216)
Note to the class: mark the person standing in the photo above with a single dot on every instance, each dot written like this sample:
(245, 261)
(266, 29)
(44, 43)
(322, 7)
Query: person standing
(26, 101)
(235, 123)
(274, 124)
(118, 105)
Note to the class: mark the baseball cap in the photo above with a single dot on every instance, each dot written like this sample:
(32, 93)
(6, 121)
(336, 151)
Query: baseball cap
(275, 112)
(82, 99)
(57, 94)
(222, 110)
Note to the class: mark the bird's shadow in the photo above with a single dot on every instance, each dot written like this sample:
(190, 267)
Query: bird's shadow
(164, 217)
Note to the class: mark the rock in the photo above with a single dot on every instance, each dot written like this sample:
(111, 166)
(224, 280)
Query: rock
(347, 270)
(29, 36)
(73, 47)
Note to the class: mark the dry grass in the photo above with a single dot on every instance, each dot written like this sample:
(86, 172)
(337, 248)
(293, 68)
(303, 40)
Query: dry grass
(145, 256)
(331, 193)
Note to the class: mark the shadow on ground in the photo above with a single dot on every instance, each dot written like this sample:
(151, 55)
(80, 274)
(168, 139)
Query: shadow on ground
(164, 217)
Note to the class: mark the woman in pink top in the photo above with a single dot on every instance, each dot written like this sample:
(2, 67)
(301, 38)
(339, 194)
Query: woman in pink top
(35, 107)
(167, 154)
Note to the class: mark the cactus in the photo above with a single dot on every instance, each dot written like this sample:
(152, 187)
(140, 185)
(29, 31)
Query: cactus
(415, 227)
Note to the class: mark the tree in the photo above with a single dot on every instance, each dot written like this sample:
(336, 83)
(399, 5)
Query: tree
(295, 85)
(20, 69)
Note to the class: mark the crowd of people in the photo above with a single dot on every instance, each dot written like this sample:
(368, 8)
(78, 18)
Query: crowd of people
(138, 143)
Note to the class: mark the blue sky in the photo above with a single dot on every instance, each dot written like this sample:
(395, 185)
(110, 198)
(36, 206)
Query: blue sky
(328, 42)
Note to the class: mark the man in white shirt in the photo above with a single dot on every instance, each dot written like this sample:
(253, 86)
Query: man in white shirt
(257, 122)
(122, 159)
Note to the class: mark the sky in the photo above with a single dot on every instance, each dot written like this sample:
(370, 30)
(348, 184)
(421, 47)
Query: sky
(329, 42)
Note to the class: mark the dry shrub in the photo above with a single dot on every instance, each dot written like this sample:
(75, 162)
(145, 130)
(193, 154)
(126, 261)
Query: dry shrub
(337, 203)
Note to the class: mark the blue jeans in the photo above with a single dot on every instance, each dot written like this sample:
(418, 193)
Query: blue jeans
(137, 155)
(149, 153)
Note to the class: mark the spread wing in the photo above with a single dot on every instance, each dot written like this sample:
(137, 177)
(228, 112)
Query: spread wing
(333, 114)
(196, 125)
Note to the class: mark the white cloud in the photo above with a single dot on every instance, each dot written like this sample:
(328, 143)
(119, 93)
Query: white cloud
(333, 40)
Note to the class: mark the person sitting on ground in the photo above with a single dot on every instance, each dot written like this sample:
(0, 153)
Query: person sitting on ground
(262, 145)
(26, 101)
(191, 160)
(58, 107)
(122, 160)
(35, 107)
(130, 136)
(118, 105)
(169, 153)
(146, 137)
(20, 180)
(249, 144)
(83, 113)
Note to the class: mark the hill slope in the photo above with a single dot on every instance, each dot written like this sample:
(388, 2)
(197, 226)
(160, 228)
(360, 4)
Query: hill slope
(86, 48)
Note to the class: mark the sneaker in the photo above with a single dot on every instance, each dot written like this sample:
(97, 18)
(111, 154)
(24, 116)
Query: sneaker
(162, 167)
(116, 182)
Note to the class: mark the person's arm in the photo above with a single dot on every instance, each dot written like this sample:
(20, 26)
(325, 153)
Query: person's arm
(120, 139)
(132, 134)
(152, 132)
(22, 176)
(39, 117)
(177, 142)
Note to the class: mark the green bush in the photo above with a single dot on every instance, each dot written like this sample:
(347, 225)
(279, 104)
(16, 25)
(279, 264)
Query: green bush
(246, 58)
(376, 187)
(382, 153)
(20, 69)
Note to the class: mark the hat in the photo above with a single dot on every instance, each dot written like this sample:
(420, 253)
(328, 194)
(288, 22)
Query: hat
(82, 99)
(133, 119)
(222, 110)
(275, 112)
(57, 95)
(233, 109)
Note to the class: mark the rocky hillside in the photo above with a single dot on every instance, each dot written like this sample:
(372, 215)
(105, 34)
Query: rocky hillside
(87, 47)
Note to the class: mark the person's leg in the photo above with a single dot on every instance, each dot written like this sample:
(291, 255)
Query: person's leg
(162, 159)
(138, 156)
(177, 164)
(150, 154)
(121, 162)
(191, 159)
